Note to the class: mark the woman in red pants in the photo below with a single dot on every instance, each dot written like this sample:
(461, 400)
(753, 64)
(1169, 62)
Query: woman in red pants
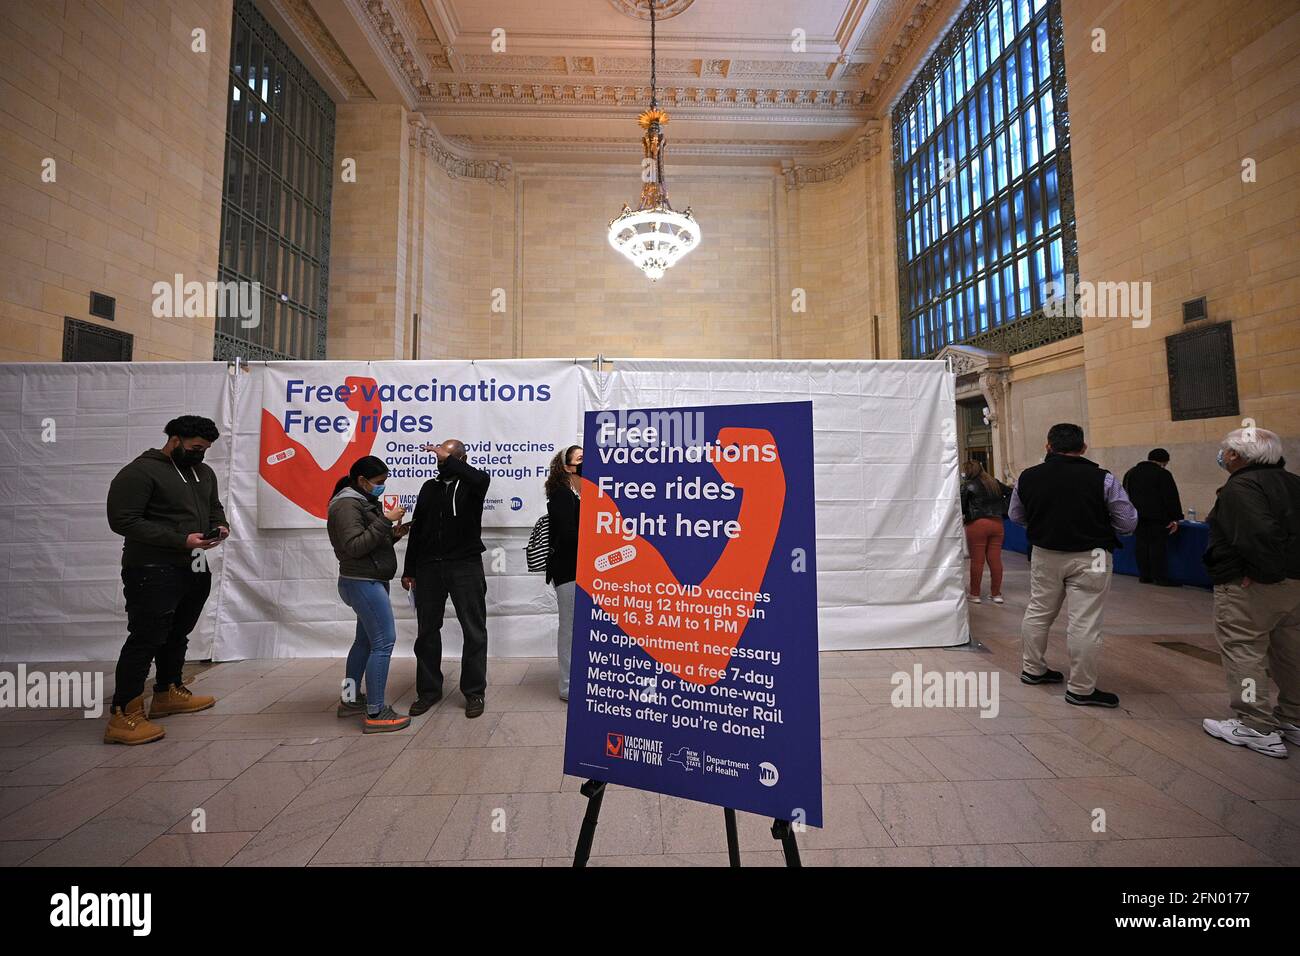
(982, 507)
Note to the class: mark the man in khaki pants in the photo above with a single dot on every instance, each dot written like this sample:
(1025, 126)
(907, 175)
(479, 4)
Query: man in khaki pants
(1254, 562)
(1074, 512)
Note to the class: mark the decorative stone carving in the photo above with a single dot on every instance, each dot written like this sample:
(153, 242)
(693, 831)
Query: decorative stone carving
(640, 9)
(921, 16)
(991, 381)
(316, 37)
(425, 138)
(389, 21)
(862, 148)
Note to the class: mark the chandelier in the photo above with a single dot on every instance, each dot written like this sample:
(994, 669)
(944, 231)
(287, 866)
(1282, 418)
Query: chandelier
(654, 235)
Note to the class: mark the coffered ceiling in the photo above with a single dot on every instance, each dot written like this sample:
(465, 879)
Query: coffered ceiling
(745, 81)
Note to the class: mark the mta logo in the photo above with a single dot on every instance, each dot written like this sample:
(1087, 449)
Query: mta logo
(516, 504)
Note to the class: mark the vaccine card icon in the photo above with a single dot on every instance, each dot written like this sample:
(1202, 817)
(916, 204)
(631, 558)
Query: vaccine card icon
(280, 456)
(614, 558)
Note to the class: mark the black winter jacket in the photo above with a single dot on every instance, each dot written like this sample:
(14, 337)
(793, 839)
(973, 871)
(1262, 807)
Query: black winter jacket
(1255, 526)
(448, 520)
(562, 560)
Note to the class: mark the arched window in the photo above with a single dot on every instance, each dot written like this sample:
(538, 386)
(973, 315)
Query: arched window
(983, 186)
(275, 202)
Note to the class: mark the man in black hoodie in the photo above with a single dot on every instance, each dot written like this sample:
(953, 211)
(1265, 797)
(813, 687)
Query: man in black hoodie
(166, 507)
(443, 558)
(1154, 493)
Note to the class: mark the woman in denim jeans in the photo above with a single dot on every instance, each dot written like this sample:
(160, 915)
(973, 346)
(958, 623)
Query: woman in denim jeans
(363, 535)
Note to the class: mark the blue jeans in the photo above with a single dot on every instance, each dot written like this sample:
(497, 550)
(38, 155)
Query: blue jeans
(376, 635)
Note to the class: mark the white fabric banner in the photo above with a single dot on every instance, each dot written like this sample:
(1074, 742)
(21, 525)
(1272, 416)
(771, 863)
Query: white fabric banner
(319, 417)
(889, 533)
(890, 543)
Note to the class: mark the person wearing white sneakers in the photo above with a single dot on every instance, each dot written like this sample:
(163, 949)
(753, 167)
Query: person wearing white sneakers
(983, 503)
(1254, 561)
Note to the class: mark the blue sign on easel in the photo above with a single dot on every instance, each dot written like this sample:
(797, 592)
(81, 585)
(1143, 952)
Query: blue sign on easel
(694, 669)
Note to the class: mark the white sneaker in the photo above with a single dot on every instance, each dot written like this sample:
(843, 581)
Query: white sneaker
(1239, 735)
(997, 599)
(1290, 733)
(973, 598)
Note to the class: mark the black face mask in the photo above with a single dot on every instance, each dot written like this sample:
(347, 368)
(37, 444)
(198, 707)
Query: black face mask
(577, 469)
(187, 457)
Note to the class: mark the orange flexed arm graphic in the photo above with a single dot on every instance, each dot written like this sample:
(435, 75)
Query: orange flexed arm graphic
(288, 467)
(740, 568)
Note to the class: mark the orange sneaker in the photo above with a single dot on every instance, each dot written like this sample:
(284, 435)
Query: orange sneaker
(385, 722)
(177, 699)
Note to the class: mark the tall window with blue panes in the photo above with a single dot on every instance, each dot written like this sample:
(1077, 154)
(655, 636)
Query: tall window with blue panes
(983, 186)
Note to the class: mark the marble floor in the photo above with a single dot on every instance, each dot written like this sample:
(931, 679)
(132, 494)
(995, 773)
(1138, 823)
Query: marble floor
(277, 779)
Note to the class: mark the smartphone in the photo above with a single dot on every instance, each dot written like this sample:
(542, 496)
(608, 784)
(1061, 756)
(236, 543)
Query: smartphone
(211, 534)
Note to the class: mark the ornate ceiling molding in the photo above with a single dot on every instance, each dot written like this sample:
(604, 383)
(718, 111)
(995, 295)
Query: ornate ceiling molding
(615, 66)
(389, 26)
(640, 9)
(314, 35)
(597, 145)
(430, 141)
(672, 97)
(771, 90)
(921, 15)
(861, 148)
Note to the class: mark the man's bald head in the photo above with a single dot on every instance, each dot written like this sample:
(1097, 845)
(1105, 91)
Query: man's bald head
(455, 447)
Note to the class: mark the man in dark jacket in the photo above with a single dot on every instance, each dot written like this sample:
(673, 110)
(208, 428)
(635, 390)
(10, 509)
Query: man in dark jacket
(443, 558)
(1154, 493)
(166, 507)
(1073, 512)
(1254, 561)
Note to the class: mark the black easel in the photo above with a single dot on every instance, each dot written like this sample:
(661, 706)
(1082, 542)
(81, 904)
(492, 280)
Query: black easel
(594, 791)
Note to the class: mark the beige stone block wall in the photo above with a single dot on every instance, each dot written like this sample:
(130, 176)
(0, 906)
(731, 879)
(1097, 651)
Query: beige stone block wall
(468, 301)
(827, 250)
(368, 232)
(578, 297)
(1162, 123)
(134, 120)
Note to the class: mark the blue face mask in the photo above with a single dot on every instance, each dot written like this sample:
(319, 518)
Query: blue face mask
(376, 491)
(1219, 458)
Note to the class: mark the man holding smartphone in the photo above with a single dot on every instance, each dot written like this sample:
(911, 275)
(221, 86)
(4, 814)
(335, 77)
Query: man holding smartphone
(166, 507)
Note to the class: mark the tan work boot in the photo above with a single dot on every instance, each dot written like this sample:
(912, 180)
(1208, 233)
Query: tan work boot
(128, 725)
(177, 699)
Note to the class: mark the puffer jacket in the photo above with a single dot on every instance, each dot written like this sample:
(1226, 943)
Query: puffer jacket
(362, 537)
